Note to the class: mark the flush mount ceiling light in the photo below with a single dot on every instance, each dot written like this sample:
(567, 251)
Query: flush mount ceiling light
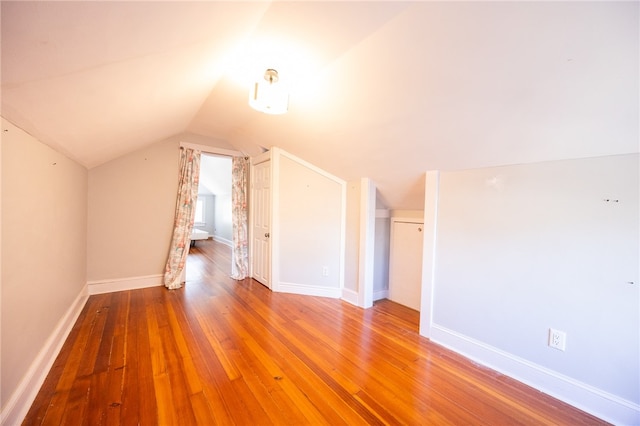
(269, 96)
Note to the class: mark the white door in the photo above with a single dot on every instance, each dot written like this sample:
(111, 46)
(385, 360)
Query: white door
(405, 263)
(261, 222)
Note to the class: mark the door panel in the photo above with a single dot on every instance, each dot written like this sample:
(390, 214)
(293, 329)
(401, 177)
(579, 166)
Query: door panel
(405, 263)
(261, 220)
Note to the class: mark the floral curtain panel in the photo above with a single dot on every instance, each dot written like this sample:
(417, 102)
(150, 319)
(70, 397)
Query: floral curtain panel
(185, 212)
(240, 257)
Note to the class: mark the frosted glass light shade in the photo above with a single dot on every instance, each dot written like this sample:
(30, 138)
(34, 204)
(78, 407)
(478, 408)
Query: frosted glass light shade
(269, 96)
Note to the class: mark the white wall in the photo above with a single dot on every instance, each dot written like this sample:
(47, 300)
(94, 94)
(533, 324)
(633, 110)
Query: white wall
(309, 210)
(352, 236)
(215, 179)
(381, 255)
(131, 212)
(520, 249)
(360, 235)
(223, 220)
(44, 222)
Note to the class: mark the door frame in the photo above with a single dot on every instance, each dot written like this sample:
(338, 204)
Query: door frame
(211, 150)
(392, 248)
(367, 242)
(258, 159)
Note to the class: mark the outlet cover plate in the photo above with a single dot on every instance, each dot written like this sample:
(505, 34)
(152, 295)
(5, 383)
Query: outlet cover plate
(557, 339)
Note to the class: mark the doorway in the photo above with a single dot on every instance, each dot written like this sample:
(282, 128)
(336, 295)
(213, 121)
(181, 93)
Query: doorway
(405, 261)
(213, 224)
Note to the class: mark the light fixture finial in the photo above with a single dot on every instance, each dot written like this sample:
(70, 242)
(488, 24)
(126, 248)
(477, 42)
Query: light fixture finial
(271, 76)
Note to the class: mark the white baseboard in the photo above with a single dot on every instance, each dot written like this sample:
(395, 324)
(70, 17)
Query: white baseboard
(604, 405)
(222, 240)
(121, 284)
(380, 294)
(19, 403)
(350, 296)
(308, 290)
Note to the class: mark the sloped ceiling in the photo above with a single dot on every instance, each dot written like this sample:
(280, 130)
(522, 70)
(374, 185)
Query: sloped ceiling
(215, 175)
(385, 90)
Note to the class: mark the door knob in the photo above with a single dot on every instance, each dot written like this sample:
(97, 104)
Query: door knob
(266, 235)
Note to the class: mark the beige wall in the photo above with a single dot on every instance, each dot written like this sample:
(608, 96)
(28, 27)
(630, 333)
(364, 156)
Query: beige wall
(131, 205)
(131, 208)
(524, 248)
(44, 222)
(408, 214)
(310, 217)
(381, 257)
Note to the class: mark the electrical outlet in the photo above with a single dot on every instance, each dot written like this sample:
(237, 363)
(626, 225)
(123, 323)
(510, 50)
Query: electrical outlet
(557, 339)
(325, 271)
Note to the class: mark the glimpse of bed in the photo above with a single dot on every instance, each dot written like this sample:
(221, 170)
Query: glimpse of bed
(198, 234)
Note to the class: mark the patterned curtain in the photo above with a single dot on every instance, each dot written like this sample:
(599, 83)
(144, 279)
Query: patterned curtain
(185, 212)
(240, 257)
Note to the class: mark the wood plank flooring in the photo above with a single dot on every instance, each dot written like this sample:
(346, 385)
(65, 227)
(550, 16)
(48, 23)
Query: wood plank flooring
(223, 352)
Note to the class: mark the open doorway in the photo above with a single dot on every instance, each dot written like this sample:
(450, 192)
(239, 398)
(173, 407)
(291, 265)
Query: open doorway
(213, 225)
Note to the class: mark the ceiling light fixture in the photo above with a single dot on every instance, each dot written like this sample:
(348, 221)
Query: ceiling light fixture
(269, 96)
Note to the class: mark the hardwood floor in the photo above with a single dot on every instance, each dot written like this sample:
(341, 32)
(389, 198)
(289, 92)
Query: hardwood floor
(224, 352)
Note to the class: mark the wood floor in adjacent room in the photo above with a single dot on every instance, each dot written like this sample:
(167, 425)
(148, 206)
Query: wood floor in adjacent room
(224, 352)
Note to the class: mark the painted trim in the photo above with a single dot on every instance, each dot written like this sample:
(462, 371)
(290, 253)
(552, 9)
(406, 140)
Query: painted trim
(212, 149)
(604, 405)
(121, 284)
(367, 243)
(275, 219)
(20, 401)
(343, 232)
(310, 166)
(430, 221)
(350, 296)
(309, 290)
(260, 158)
(222, 240)
(380, 294)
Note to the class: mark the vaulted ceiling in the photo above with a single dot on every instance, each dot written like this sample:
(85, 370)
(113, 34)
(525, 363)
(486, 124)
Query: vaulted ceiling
(385, 90)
